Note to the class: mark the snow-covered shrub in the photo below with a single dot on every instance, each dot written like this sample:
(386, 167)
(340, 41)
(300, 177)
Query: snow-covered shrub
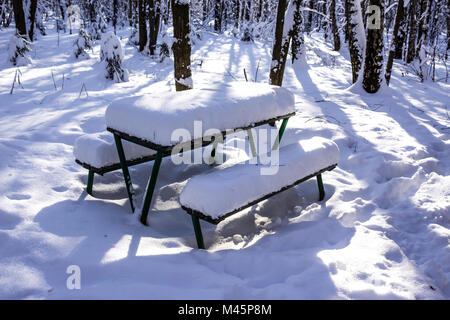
(165, 46)
(134, 38)
(17, 49)
(112, 54)
(82, 44)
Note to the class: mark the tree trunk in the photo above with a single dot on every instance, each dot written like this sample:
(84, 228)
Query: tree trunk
(114, 18)
(400, 41)
(33, 7)
(130, 12)
(182, 46)
(334, 26)
(218, 16)
(298, 41)
(448, 29)
(279, 52)
(394, 42)
(142, 25)
(357, 37)
(248, 34)
(154, 18)
(19, 18)
(237, 8)
(373, 64)
(412, 31)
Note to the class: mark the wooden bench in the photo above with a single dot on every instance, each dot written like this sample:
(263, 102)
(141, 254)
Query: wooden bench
(226, 190)
(97, 152)
(150, 120)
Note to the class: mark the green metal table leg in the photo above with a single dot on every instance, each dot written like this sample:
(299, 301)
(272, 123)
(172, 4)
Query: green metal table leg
(321, 189)
(280, 134)
(126, 173)
(213, 152)
(90, 182)
(198, 232)
(252, 142)
(151, 187)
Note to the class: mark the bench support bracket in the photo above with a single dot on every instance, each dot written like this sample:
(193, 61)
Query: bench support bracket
(151, 187)
(90, 182)
(126, 173)
(321, 189)
(280, 134)
(198, 232)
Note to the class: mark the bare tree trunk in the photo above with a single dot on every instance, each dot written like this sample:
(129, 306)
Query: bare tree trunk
(19, 18)
(154, 18)
(218, 16)
(182, 46)
(334, 26)
(33, 7)
(448, 29)
(114, 18)
(412, 31)
(142, 25)
(279, 52)
(400, 41)
(237, 8)
(130, 12)
(248, 34)
(373, 65)
(394, 44)
(356, 34)
(298, 41)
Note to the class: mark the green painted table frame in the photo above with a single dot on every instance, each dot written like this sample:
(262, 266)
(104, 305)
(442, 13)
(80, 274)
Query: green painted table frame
(164, 151)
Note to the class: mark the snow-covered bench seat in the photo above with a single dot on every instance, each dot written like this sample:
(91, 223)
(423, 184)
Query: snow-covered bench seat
(199, 114)
(226, 190)
(97, 152)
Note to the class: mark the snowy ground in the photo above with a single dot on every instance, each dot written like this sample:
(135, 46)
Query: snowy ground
(382, 232)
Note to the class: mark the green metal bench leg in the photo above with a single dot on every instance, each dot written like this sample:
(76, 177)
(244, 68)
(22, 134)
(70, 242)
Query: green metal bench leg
(151, 187)
(90, 182)
(321, 189)
(198, 232)
(126, 173)
(252, 142)
(280, 134)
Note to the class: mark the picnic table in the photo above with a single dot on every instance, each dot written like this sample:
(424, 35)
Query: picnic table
(149, 121)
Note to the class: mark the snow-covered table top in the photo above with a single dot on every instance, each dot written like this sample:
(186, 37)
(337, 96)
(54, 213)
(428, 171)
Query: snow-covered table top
(228, 188)
(154, 117)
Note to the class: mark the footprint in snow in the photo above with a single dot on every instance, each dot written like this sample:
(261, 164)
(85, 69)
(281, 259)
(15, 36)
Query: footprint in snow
(18, 196)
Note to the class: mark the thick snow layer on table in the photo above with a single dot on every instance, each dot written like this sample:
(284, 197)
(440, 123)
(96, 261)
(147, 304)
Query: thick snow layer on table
(231, 187)
(154, 117)
(99, 149)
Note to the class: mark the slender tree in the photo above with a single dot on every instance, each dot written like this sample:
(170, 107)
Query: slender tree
(32, 18)
(334, 26)
(19, 18)
(400, 19)
(142, 25)
(412, 31)
(218, 16)
(154, 20)
(280, 47)
(373, 64)
(356, 36)
(394, 41)
(182, 45)
(298, 42)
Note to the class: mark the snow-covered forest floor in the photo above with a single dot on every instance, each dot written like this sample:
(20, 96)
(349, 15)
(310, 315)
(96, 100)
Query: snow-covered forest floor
(382, 232)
